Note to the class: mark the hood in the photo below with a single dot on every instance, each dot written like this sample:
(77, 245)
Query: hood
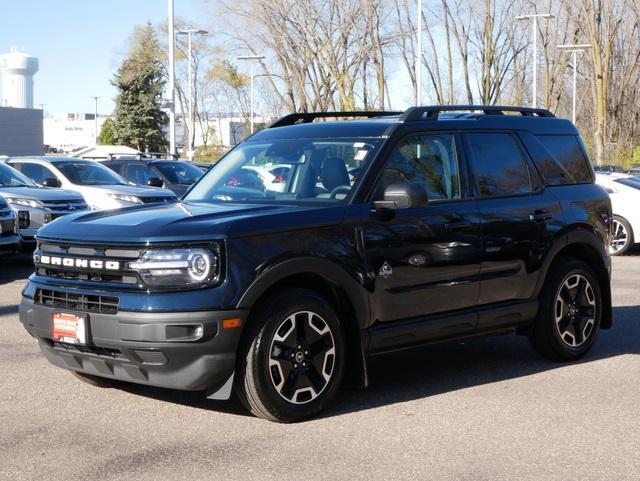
(38, 193)
(186, 222)
(136, 190)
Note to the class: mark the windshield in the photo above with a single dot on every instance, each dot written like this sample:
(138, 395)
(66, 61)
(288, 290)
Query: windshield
(308, 170)
(84, 172)
(12, 178)
(180, 173)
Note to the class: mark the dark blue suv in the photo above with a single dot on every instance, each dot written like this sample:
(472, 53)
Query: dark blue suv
(462, 221)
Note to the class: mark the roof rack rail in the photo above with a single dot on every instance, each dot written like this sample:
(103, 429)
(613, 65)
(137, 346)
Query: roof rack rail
(306, 117)
(431, 112)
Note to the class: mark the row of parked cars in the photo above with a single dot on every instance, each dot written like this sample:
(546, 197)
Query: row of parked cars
(38, 189)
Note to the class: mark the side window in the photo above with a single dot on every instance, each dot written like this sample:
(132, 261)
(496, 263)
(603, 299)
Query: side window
(499, 165)
(568, 153)
(37, 173)
(430, 160)
(138, 173)
(115, 165)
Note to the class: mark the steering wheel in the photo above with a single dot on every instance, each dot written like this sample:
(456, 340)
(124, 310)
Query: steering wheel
(341, 188)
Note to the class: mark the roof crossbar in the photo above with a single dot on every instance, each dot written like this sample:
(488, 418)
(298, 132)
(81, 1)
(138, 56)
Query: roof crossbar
(432, 112)
(307, 117)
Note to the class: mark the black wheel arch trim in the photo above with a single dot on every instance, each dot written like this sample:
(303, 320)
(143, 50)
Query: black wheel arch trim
(580, 237)
(336, 276)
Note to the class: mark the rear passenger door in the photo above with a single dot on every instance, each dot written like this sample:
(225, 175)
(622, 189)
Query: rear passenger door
(519, 218)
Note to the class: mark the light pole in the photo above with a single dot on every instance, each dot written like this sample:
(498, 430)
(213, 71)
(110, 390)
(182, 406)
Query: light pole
(251, 58)
(418, 59)
(95, 119)
(192, 122)
(172, 82)
(535, 17)
(575, 49)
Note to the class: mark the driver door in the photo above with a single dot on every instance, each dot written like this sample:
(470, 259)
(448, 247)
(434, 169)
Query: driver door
(426, 261)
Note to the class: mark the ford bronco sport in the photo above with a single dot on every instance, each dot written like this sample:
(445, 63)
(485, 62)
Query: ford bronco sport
(461, 221)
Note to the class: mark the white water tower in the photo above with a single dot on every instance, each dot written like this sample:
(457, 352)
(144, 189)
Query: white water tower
(16, 72)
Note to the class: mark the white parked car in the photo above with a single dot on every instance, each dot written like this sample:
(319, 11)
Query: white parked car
(624, 191)
(270, 180)
(101, 187)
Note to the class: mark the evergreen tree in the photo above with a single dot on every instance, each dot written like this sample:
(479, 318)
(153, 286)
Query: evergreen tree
(139, 120)
(107, 133)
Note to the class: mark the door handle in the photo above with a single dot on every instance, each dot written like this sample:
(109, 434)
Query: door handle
(458, 225)
(540, 216)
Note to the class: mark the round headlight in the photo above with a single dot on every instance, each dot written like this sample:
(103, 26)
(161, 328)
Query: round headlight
(199, 266)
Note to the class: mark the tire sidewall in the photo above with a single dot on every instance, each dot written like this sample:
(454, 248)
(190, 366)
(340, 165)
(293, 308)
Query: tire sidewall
(273, 316)
(630, 240)
(567, 270)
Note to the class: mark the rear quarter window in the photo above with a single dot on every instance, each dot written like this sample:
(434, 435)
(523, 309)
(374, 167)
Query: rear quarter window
(568, 153)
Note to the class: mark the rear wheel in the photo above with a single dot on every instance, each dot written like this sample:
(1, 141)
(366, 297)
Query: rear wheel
(621, 236)
(95, 381)
(292, 358)
(570, 312)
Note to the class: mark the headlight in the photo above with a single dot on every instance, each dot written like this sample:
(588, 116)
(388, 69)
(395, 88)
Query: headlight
(185, 267)
(24, 202)
(126, 198)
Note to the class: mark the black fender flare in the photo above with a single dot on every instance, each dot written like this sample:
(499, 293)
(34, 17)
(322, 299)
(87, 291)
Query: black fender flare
(582, 236)
(336, 276)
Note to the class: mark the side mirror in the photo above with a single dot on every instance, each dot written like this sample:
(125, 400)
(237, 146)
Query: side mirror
(155, 182)
(52, 182)
(406, 195)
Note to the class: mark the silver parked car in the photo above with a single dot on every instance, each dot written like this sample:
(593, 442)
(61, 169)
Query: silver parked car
(35, 205)
(9, 239)
(100, 186)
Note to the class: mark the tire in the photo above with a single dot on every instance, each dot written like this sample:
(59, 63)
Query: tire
(570, 312)
(621, 236)
(291, 358)
(95, 381)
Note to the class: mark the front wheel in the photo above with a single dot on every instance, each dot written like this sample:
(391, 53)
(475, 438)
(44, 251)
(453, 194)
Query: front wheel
(292, 358)
(570, 311)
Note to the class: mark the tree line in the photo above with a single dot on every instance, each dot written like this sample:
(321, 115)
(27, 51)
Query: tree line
(359, 55)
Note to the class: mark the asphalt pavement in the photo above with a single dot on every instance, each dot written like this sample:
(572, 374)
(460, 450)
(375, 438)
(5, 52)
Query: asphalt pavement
(488, 409)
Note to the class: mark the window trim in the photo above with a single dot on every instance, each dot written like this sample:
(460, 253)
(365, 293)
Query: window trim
(385, 154)
(534, 181)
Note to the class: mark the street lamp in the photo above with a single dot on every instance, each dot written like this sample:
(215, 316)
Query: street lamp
(192, 122)
(535, 17)
(95, 119)
(574, 49)
(172, 82)
(418, 60)
(250, 58)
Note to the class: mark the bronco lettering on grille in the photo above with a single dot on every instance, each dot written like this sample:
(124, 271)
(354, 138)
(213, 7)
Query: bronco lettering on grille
(76, 262)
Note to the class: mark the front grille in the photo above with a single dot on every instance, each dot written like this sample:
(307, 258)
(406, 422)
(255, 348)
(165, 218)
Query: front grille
(87, 271)
(77, 302)
(8, 227)
(150, 200)
(65, 205)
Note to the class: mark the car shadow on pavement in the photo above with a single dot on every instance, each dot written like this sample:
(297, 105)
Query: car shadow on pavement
(432, 370)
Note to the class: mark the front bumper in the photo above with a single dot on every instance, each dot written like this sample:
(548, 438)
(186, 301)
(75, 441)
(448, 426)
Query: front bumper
(38, 217)
(10, 244)
(144, 347)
